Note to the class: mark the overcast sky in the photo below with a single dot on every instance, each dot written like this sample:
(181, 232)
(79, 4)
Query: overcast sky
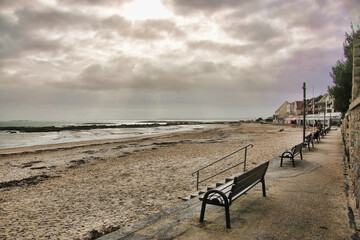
(175, 59)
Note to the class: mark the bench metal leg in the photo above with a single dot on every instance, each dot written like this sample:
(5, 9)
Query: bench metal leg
(227, 216)
(293, 161)
(263, 187)
(281, 162)
(202, 214)
(301, 157)
(225, 204)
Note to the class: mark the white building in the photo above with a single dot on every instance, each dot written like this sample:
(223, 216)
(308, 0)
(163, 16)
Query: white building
(333, 118)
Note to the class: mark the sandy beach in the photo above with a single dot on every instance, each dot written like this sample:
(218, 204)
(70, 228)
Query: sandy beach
(73, 190)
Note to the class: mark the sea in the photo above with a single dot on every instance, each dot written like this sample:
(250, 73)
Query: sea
(14, 133)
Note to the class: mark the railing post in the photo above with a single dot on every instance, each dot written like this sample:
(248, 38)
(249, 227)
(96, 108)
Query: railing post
(245, 159)
(198, 171)
(197, 180)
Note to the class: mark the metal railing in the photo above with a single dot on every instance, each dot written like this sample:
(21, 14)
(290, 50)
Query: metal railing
(198, 171)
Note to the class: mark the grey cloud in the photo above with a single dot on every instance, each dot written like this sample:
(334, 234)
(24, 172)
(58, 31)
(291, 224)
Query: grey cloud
(21, 36)
(97, 3)
(54, 19)
(196, 75)
(208, 45)
(187, 7)
(115, 74)
(253, 31)
(312, 15)
(17, 38)
(133, 73)
(353, 9)
(317, 16)
(34, 15)
(249, 49)
(157, 29)
(311, 66)
(14, 40)
(142, 29)
(115, 22)
(62, 21)
(95, 78)
(11, 4)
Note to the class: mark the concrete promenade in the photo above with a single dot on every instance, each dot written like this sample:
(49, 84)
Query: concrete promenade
(310, 201)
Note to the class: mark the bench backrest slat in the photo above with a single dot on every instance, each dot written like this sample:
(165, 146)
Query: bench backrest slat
(297, 148)
(248, 178)
(244, 183)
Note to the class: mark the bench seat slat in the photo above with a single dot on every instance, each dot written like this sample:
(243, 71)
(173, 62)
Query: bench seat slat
(235, 196)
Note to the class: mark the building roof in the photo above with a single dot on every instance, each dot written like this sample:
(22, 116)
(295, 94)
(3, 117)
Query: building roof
(324, 98)
(282, 106)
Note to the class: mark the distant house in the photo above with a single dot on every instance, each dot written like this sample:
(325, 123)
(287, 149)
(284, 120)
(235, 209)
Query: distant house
(313, 105)
(282, 112)
(296, 108)
(327, 104)
(319, 108)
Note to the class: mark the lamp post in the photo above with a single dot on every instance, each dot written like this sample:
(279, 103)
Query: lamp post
(324, 114)
(304, 115)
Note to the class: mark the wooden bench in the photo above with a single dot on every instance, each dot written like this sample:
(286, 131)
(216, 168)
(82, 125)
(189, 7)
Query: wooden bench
(297, 149)
(229, 192)
(316, 135)
(309, 141)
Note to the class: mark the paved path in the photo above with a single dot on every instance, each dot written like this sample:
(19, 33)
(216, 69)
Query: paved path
(309, 201)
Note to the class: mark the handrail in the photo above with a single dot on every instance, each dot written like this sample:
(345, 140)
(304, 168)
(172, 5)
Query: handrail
(198, 171)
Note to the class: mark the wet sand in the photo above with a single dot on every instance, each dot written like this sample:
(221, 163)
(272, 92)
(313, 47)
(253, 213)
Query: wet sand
(76, 190)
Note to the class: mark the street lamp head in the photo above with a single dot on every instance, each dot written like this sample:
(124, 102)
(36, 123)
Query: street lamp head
(304, 86)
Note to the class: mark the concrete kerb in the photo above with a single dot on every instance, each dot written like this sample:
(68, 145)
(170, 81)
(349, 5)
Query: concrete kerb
(187, 211)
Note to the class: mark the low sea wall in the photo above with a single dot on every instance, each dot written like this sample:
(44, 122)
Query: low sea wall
(351, 125)
(351, 138)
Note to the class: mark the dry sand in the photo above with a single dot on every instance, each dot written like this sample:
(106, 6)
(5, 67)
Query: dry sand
(71, 191)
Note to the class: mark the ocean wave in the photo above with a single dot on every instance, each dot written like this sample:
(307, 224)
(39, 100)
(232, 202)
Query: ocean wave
(29, 129)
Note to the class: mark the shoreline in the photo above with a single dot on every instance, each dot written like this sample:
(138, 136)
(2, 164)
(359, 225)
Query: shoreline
(91, 126)
(94, 142)
(71, 192)
(35, 136)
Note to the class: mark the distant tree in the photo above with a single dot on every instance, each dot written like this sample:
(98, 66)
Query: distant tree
(341, 73)
(269, 119)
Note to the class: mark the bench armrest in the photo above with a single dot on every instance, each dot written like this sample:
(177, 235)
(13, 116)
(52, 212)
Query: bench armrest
(221, 199)
(287, 153)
